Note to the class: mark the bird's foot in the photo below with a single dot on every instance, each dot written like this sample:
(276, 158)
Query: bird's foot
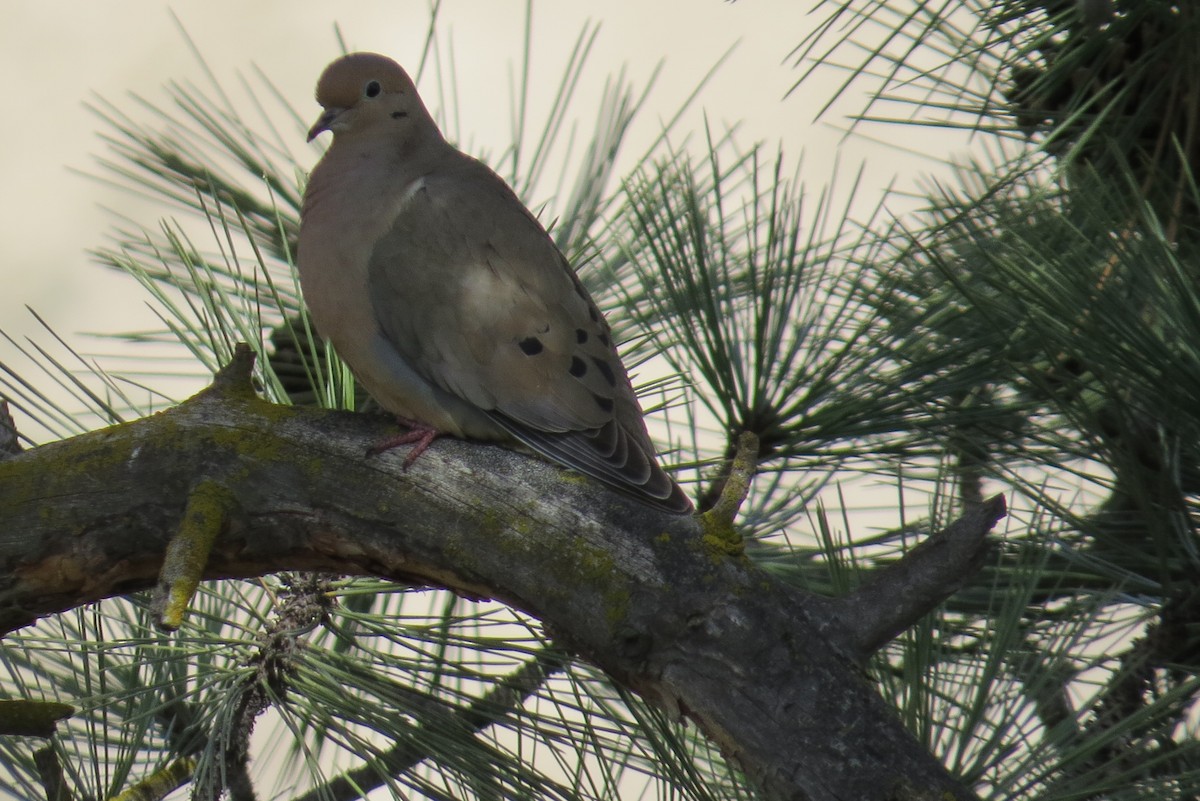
(419, 435)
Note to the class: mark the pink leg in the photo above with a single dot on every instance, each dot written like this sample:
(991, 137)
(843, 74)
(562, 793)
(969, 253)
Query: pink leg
(419, 435)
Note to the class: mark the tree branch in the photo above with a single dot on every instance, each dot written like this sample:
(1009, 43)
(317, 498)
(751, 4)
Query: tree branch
(758, 665)
(900, 594)
(10, 444)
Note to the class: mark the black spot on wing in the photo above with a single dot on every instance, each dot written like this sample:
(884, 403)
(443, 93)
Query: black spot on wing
(605, 371)
(578, 367)
(532, 346)
(581, 336)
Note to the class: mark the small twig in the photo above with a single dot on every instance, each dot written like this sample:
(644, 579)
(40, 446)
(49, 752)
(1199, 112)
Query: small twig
(162, 782)
(303, 605)
(898, 595)
(28, 718)
(10, 444)
(717, 522)
(968, 452)
(207, 514)
(50, 773)
(1122, 726)
(235, 379)
(209, 506)
(509, 693)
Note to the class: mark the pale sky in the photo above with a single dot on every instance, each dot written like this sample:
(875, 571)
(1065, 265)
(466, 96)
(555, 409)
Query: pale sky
(54, 57)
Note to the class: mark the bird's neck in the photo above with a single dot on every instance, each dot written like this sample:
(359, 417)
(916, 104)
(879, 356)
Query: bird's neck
(354, 166)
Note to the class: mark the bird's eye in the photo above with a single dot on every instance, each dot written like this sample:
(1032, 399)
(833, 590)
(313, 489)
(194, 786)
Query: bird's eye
(372, 89)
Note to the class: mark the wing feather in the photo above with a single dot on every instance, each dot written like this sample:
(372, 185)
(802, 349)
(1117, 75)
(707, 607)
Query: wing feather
(473, 293)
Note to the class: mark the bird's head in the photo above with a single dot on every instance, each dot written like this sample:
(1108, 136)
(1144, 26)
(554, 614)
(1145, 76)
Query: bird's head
(363, 91)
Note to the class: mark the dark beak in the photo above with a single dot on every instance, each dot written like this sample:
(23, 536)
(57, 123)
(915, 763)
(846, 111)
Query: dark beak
(324, 123)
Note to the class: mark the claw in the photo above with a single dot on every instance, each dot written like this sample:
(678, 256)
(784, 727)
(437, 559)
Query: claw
(419, 435)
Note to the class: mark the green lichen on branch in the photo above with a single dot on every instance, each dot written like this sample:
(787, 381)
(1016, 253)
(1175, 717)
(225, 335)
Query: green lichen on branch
(235, 379)
(162, 782)
(29, 718)
(720, 535)
(206, 516)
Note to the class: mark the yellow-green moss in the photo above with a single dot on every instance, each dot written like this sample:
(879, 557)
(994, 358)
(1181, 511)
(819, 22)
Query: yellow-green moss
(161, 782)
(31, 718)
(28, 482)
(616, 607)
(208, 507)
(721, 537)
(571, 477)
(575, 561)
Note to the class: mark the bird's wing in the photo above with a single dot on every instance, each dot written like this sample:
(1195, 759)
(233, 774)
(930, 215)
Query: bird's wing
(474, 295)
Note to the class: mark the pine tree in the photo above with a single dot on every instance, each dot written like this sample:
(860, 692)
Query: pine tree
(1025, 330)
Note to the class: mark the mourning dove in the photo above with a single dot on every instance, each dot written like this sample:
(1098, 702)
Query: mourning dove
(447, 298)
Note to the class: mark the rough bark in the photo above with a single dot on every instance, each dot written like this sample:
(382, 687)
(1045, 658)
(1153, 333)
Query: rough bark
(677, 614)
